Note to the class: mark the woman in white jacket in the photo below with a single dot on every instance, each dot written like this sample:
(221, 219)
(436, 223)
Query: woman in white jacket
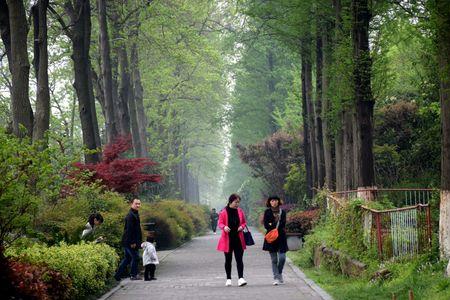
(149, 258)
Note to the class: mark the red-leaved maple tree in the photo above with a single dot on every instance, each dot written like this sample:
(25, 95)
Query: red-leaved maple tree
(120, 174)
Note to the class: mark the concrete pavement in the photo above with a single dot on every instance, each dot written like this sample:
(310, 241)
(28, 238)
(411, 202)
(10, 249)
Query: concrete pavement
(196, 271)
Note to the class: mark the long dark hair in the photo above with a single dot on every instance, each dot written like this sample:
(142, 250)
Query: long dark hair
(232, 198)
(93, 216)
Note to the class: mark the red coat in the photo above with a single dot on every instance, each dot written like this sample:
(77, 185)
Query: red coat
(224, 242)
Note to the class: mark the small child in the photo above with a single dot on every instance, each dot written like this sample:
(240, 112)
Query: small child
(149, 258)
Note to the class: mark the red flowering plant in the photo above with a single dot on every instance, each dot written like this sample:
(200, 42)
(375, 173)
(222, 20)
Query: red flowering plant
(117, 172)
(27, 281)
(302, 221)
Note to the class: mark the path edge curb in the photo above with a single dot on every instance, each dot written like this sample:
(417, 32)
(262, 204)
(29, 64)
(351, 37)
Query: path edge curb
(322, 293)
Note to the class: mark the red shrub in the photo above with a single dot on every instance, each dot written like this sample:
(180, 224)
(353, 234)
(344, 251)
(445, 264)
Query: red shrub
(303, 221)
(38, 282)
(122, 175)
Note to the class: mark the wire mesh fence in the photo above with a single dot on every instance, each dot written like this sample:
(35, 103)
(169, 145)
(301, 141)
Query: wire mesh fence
(402, 231)
(398, 232)
(399, 197)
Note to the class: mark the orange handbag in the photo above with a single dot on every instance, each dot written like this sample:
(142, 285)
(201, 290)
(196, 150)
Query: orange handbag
(272, 235)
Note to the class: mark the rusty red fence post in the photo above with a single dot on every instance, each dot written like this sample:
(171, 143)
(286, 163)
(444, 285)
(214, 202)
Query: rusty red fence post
(428, 212)
(379, 235)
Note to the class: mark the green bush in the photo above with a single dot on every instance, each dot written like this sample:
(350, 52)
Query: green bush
(65, 220)
(176, 221)
(89, 266)
(30, 176)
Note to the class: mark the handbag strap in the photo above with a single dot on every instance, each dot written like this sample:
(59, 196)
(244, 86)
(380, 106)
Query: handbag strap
(247, 228)
(278, 223)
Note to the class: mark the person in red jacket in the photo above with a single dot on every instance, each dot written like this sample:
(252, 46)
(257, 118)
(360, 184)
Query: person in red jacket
(232, 223)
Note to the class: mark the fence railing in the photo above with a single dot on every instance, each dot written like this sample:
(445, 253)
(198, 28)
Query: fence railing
(400, 197)
(405, 230)
(398, 232)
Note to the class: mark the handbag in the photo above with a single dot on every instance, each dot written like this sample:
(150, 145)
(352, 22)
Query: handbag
(248, 237)
(272, 235)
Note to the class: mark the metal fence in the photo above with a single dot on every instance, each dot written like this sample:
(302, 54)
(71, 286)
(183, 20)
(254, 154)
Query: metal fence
(400, 197)
(405, 230)
(398, 232)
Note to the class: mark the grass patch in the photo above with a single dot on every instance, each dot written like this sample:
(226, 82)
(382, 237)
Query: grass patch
(424, 274)
(424, 278)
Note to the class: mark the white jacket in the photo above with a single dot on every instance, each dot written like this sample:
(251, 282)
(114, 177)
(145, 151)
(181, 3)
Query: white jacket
(87, 230)
(149, 256)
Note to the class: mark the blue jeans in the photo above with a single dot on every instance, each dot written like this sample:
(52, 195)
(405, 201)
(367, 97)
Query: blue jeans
(278, 259)
(131, 255)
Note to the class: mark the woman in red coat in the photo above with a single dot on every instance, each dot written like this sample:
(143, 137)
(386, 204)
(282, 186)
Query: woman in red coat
(232, 223)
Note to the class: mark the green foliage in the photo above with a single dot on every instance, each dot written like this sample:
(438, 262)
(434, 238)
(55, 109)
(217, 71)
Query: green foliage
(295, 185)
(65, 220)
(185, 82)
(176, 221)
(89, 266)
(423, 276)
(31, 176)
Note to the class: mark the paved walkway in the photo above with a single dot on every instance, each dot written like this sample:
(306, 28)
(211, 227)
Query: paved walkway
(196, 271)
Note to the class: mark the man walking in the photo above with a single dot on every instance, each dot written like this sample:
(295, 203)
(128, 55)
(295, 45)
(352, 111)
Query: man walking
(214, 217)
(131, 241)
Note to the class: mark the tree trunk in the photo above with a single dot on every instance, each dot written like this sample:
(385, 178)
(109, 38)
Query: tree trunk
(347, 149)
(271, 88)
(42, 116)
(127, 108)
(105, 54)
(134, 123)
(20, 70)
(339, 137)
(310, 110)
(306, 139)
(115, 46)
(318, 108)
(124, 93)
(441, 16)
(139, 98)
(5, 31)
(327, 134)
(81, 19)
(339, 152)
(363, 93)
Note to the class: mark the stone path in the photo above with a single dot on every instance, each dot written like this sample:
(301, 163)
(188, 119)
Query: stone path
(196, 271)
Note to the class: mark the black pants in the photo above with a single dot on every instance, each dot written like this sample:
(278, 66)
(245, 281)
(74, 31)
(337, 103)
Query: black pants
(150, 268)
(214, 226)
(236, 247)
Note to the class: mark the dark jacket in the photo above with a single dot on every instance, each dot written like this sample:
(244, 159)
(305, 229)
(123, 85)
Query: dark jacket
(214, 217)
(132, 233)
(280, 244)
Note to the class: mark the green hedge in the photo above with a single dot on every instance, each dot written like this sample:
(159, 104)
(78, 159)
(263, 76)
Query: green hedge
(90, 266)
(176, 221)
(64, 220)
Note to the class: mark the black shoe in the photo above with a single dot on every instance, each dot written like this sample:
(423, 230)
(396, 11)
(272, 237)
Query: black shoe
(153, 278)
(147, 279)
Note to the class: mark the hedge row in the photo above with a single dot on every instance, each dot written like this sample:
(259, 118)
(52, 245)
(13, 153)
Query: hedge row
(88, 266)
(176, 221)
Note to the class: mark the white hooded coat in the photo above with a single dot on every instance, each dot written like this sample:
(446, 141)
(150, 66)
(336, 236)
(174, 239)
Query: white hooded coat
(149, 256)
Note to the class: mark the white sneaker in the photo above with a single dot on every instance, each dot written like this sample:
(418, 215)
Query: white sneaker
(228, 283)
(276, 282)
(242, 282)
